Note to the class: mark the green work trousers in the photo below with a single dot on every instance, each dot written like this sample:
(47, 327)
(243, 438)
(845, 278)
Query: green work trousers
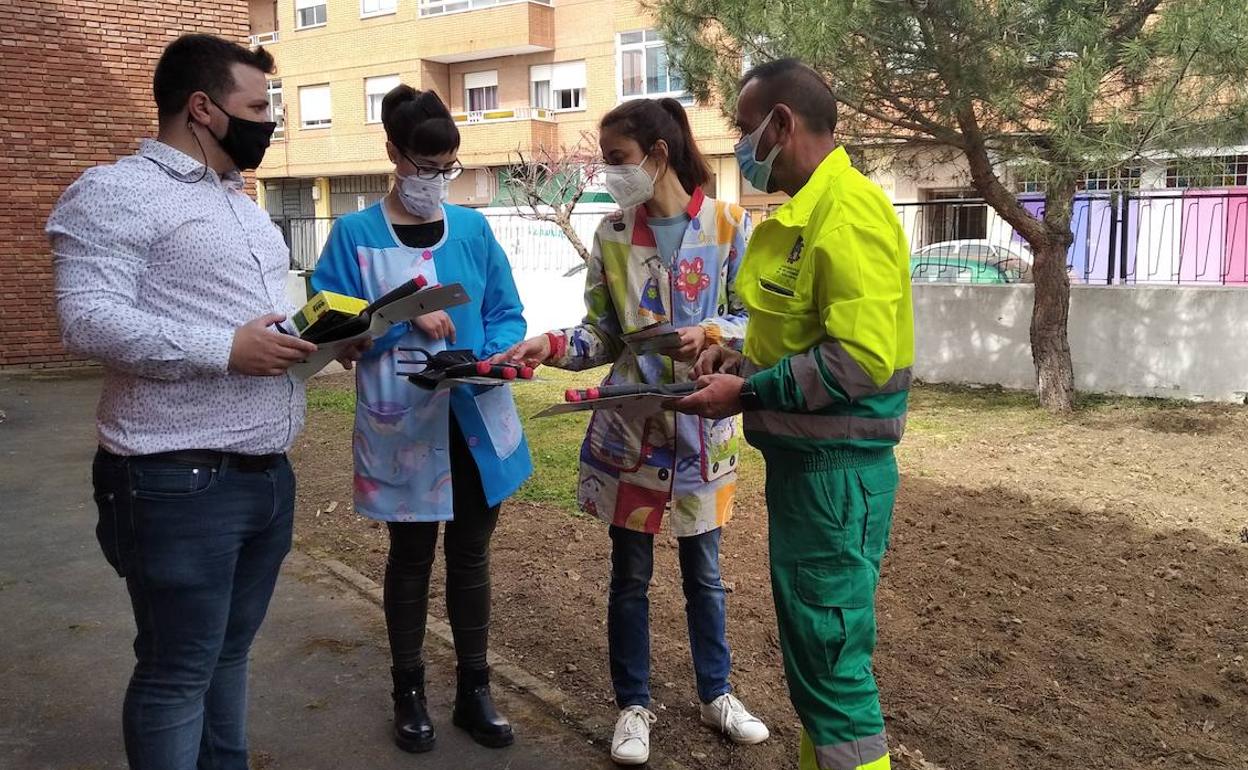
(830, 513)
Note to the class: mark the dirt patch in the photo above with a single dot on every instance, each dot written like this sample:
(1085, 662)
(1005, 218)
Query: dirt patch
(1039, 626)
(326, 644)
(1166, 465)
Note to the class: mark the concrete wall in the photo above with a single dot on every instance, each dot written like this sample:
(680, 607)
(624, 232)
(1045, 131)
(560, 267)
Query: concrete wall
(1169, 342)
(1166, 342)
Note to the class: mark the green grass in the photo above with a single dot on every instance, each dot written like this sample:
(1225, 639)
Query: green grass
(328, 399)
(939, 415)
(555, 442)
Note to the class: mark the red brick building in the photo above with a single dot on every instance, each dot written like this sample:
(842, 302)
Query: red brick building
(75, 91)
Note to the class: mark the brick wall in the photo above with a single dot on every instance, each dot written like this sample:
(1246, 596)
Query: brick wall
(75, 85)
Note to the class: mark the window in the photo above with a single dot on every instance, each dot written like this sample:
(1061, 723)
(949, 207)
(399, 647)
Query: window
(542, 98)
(309, 13)
(276, 112)
(1126, 177)
(375, 89)
(1222, 171)
(954, 215)
(481, 91)
(439, 7)
(314, 109)
(1118, 178)
(558, 86)
(644, 66)
(376, 7)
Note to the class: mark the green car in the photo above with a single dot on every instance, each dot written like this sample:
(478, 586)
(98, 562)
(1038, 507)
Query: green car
(970, 262)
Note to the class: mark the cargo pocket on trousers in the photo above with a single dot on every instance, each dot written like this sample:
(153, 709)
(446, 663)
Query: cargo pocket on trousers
(115, 532)
(847, 586)
(834, 596)
(879, 490)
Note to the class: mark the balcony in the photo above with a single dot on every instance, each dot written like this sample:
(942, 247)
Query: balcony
(505, 28)
(492, 137)
(504, 116)
(443, 7)
(262, 16)
(264, 38)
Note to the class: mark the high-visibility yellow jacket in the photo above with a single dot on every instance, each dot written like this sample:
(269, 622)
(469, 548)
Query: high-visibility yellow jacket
(830, 340)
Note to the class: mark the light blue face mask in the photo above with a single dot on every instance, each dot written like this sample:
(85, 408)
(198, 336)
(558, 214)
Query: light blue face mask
(756, 172)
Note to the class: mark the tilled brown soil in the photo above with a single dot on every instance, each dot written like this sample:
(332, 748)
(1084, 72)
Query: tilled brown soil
(1017, 632)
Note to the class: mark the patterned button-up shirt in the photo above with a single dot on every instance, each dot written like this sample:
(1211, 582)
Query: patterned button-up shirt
(157, 264)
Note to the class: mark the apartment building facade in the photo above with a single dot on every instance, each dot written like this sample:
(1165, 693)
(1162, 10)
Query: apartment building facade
(516, 75)
(523, 74)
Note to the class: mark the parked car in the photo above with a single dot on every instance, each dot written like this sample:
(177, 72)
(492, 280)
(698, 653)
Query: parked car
(971, 261)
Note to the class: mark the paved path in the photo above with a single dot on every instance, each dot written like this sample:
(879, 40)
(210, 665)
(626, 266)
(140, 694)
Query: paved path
(320, 676)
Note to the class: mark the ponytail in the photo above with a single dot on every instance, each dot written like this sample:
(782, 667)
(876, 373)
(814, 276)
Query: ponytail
(646, 121)
(418, 122)
(692, 168)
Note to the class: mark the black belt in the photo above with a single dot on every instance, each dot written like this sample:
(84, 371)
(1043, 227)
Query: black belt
(209, 457)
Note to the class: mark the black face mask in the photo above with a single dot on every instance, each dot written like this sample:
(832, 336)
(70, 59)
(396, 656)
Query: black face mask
(245, 140)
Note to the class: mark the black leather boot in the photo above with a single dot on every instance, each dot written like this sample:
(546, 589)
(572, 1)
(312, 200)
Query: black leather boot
(475, 712)
(413, 730)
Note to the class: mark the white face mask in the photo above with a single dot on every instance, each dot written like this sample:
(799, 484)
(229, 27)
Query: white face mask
(423, 197)
(629, 184)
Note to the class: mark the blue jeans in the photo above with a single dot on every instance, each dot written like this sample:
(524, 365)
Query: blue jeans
(628, 614)
(200, 548)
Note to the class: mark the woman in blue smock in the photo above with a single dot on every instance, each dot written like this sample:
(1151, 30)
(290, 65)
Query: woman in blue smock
(429, 456)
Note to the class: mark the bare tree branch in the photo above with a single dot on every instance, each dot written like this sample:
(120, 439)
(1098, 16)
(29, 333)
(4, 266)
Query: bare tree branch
(548, 185)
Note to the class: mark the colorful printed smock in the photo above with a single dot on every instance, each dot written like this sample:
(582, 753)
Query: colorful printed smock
(634, 468)
(402, 460)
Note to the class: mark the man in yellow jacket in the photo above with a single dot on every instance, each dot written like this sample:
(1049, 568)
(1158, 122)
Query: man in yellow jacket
(823, 383)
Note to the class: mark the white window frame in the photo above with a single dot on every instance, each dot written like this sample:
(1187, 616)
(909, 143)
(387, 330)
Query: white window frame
(277, 116)
(582, 98)
(369, 117)
(550, 74)
(448, 7)
(1233, 170)
(533, 100)
(393, 9)
(474, 81)
(303, 121)
(303, 5)
(647, 42)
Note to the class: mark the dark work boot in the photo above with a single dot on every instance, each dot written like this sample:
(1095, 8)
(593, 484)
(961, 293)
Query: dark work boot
(413, 731)
(475, 712)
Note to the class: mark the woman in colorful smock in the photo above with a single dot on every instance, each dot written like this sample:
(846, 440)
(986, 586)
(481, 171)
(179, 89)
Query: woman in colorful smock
(429, 456)
(670, 256)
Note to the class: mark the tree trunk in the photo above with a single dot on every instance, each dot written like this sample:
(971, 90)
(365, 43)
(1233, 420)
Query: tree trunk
(565, 224)
(1050, 345)
(1050, 342)
(563, 218)
(1049, 240)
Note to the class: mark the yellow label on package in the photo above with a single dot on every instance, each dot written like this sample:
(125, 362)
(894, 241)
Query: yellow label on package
(326, 309)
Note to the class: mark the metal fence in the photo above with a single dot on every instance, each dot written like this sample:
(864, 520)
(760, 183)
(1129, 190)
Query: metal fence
(306, 237)
(1163, 237)
(530, 245)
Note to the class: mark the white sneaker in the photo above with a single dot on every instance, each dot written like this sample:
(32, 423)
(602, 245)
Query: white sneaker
(728, 715)
(631, 743)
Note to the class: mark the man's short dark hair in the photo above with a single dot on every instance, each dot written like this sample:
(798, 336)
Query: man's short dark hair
(788, 81)
(201, 63)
